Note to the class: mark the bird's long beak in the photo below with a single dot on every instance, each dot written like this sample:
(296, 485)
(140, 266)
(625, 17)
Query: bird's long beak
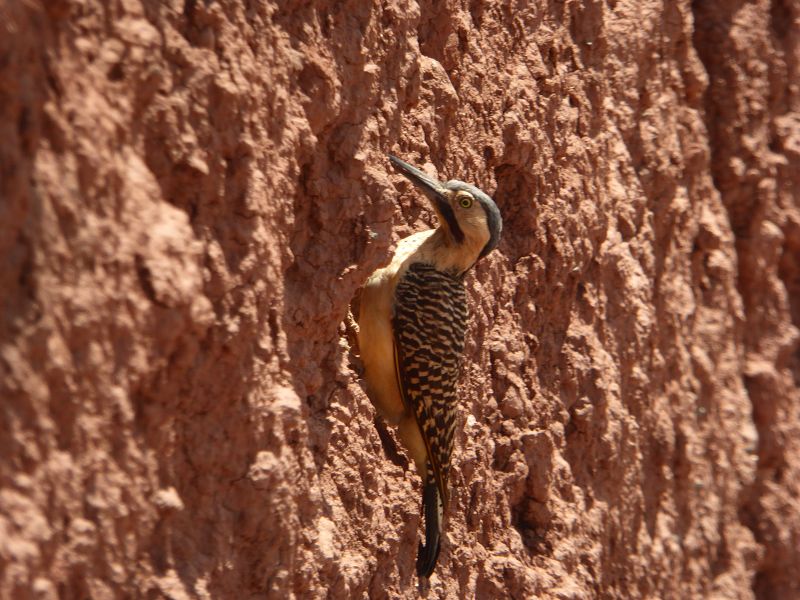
(432, 188)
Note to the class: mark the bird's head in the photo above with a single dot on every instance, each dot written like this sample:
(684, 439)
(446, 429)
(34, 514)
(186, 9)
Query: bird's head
(468, 215)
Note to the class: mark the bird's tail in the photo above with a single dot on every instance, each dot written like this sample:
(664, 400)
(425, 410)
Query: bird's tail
(434, 515)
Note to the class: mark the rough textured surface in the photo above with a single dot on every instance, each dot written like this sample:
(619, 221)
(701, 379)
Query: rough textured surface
(192, 192)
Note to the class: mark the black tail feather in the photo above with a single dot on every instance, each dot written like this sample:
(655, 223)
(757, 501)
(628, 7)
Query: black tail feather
(427, 554)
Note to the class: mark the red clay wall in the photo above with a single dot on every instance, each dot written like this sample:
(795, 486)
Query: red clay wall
(192, 192)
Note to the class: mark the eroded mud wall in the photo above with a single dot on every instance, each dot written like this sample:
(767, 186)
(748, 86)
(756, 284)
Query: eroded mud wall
(192, 192)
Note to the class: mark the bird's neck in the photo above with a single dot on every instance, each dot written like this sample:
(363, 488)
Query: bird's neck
(444, 253)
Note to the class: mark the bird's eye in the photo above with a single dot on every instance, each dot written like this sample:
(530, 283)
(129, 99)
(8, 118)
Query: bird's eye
(465, 201)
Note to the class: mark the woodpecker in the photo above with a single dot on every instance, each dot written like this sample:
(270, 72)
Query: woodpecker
(412, 322)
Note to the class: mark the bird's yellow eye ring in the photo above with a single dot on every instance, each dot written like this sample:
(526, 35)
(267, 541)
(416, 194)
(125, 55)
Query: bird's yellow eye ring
(465, 201)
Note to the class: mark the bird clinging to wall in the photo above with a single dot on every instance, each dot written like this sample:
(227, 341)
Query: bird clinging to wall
(412, 321)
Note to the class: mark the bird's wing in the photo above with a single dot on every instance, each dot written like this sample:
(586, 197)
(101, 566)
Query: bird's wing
(429, 323)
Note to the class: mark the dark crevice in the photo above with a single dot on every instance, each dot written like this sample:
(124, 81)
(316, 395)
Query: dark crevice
(146, 280)
(712, 26)
(789, 273)
(780, 18)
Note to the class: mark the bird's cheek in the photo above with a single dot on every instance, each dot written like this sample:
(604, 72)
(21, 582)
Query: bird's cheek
(472, 223)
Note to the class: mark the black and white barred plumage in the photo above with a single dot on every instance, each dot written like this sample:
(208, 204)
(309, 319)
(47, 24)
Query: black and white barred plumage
(429, 323)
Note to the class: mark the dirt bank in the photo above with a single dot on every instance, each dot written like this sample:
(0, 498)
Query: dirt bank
(192, 192)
